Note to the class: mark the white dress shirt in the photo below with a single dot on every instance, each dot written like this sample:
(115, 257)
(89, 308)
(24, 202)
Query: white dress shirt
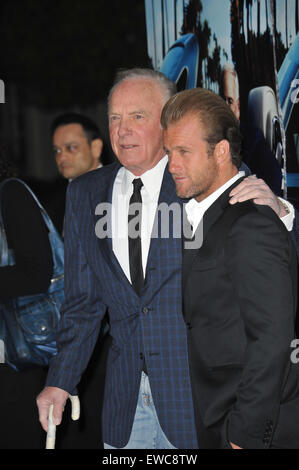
(122, 192)
(288, 219)
(195, 210)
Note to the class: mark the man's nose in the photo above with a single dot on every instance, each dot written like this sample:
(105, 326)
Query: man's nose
(124, 127)
(62, 155)
(173, 163)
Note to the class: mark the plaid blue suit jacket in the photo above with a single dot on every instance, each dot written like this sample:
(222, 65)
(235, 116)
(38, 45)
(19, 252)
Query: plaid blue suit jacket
(151, 325)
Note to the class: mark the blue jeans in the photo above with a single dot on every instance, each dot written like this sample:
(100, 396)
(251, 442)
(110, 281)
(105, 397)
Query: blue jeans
(146, 431)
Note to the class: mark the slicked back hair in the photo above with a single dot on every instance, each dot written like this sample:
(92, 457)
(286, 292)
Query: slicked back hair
(217, 119)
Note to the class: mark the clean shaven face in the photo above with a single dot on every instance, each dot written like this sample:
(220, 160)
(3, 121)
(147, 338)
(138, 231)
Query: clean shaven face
(134, 124)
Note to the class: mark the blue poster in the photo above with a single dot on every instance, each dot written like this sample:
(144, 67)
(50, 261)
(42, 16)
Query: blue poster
(248, 52)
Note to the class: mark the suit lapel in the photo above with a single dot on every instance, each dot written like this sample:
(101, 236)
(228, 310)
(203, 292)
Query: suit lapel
(103, 194)
(167, 197)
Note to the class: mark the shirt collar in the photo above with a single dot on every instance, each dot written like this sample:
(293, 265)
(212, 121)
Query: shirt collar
(195, 210)
(152, 179)
(99, 166)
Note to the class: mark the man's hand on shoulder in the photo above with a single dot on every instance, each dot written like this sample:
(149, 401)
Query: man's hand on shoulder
(256, 189)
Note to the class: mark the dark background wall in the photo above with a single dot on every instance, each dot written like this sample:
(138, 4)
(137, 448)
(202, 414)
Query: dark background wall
(57, 56)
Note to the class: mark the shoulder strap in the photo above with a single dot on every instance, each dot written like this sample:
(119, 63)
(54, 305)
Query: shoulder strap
(54, 237)
(46, 218)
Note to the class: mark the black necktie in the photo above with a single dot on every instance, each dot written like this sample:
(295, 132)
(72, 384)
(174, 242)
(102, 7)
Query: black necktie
(134, 237)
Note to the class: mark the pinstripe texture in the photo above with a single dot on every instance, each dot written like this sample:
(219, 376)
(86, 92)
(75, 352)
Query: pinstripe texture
(94, 281)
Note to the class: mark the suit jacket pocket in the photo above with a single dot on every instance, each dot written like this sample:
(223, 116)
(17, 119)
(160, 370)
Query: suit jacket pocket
(286, 434)
(204, 265)
(233, 365)
(204, 262)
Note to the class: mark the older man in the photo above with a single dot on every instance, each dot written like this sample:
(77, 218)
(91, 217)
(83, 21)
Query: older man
(136, 277)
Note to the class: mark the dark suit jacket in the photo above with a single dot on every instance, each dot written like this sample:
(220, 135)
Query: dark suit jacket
(240, 296)
(149, 326)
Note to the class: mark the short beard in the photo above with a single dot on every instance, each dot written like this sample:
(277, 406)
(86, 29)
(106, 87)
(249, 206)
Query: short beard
(193, 192)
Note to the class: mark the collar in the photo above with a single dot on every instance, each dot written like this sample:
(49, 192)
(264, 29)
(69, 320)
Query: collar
(152, 179)
(196, 210)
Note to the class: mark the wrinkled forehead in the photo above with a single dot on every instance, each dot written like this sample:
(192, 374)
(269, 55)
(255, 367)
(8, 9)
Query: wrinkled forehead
(137, 91)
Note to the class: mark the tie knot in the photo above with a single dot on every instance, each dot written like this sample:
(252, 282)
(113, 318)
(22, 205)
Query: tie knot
(137, 183)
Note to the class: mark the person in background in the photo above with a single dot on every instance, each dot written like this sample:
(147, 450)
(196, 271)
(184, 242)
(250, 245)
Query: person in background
(256, 153)
(27, 236)
(77, 144)
(229, 88)
(78, 147)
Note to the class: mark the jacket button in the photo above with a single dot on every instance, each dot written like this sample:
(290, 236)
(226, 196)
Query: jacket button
(141, 356)
(145, 310)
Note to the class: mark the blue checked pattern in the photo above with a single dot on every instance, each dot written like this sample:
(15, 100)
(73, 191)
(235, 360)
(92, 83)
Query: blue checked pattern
(151, 325)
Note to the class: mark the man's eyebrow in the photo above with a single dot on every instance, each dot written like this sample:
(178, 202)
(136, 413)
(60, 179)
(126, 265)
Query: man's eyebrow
(179, 147)
(71, 142)
(138, 111)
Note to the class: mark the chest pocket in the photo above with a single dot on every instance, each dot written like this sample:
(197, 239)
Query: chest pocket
(209, 257)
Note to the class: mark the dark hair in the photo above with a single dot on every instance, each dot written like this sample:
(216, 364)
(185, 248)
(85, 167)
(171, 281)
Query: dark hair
(89, 127)
(216, 117)
(91, 130)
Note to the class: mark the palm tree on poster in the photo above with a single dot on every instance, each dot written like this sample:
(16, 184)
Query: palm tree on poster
(259, 18)
(267, 18)
(274, 16)
(192, 24)
(249, 15)
(286, 18)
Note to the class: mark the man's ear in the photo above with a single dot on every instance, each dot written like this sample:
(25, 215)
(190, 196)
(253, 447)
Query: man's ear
(222, 152)
(96, 148)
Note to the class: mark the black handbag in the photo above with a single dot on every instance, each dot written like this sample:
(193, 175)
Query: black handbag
(28, 323)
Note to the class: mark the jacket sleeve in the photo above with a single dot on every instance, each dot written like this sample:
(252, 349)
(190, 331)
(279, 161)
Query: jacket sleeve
(82, 311)
(259, 253)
